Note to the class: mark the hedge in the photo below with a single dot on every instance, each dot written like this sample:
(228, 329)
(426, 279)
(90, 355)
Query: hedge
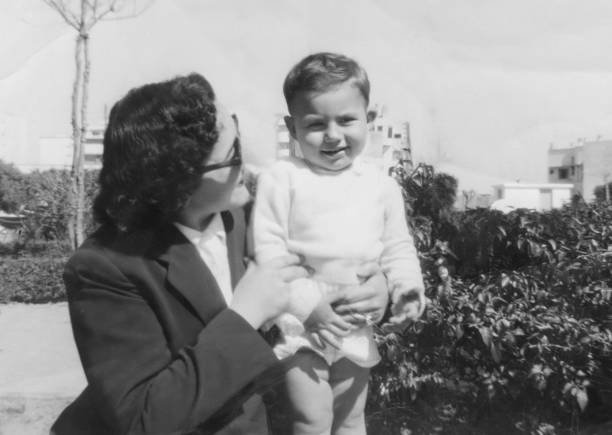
(32, 279)
(517, 337)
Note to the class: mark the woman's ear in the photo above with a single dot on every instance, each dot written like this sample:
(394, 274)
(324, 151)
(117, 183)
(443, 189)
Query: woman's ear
(290, 123)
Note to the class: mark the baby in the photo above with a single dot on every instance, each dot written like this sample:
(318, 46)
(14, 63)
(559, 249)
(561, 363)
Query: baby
(339, 213)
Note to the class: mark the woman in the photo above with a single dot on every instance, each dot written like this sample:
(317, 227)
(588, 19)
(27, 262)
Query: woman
(166, 344)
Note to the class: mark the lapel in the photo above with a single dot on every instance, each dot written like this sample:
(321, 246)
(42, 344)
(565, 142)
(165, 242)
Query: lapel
(234, 224)
(190, 276)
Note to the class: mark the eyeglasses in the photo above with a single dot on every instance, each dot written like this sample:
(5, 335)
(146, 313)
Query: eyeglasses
(236, 159)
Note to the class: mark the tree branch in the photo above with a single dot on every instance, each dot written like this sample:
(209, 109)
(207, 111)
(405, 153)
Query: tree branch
(95, 16)
(65, 12)
(133, 14)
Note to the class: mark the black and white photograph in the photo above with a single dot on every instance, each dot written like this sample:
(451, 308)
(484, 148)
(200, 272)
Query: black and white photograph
(305, 217)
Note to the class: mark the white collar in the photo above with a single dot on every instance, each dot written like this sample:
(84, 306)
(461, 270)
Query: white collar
(358, 167)
(214, 229)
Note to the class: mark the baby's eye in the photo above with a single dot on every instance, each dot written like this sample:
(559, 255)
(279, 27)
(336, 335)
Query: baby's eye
(346, 120)
(317, 125)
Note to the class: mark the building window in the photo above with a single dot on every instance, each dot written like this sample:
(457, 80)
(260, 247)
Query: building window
(573, 170)
(379, 128)
(551, 171)
(390, 133)
(397, 136)
(563, 175)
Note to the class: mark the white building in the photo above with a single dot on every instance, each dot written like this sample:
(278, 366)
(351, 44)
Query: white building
(389, 142)
(586, 165)
(285, 144)
(56, 152)
(540, 196)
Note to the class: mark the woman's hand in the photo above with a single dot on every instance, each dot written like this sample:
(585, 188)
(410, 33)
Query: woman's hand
(326, 326)
(367, 302)
(263, 292)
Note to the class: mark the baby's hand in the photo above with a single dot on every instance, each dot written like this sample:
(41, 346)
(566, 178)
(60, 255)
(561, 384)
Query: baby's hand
(407, 305)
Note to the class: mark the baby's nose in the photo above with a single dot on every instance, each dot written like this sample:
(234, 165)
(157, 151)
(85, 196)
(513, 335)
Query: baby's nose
(332, 133)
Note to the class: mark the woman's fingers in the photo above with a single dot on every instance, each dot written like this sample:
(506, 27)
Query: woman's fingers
(342, 324)
(338, 332)
(285, 261)
(291, 273)
(366, 270)
(329, 338)
(364, 306)
(361, 317)
(317, 340)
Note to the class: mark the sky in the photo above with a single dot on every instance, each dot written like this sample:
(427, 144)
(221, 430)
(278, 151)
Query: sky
(487, 85)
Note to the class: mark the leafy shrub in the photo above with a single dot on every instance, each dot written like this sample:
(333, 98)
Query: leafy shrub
(32, 279)
(517, 337)
(47, 210)
(42, 198)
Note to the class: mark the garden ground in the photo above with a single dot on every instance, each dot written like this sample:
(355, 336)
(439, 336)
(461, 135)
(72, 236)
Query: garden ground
(40, 373)
(40, 370)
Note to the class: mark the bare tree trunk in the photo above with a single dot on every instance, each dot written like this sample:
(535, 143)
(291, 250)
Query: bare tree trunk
(80, 169)
(77, 141)
(82, 18)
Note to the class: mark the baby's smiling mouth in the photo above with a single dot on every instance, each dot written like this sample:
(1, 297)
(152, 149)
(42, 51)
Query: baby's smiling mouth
(334, 151)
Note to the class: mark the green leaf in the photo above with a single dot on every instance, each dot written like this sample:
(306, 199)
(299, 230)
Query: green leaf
(582, 399)
(485, 333)
(495, 353)
(505, 280)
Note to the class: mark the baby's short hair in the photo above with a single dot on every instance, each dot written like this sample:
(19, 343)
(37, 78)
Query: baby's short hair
(321, 71)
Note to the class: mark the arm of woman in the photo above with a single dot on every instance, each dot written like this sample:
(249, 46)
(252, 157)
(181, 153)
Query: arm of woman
(137, 384)
(366, 302)
(354, 306)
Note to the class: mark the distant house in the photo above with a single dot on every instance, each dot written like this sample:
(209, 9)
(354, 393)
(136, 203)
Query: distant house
(56, 152)
(536, 196)
(586, 166)
(388, 142)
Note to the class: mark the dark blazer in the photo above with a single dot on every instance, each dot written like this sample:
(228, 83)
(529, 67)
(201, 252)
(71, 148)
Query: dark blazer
(161, 351)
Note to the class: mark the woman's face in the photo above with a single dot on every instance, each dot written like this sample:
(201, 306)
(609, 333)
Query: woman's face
(222, 188)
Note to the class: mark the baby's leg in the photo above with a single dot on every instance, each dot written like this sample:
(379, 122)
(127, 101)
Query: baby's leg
(349, 383)
(310, 394)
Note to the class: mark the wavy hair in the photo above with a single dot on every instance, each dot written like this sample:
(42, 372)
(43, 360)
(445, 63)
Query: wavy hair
(158, 139)
(320, 72)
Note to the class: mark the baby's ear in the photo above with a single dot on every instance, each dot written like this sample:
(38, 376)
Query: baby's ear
(371, 116)
(290, 123)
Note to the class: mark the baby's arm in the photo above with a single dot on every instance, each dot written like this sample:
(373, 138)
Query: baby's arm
(270, 221)
(270, 235)
(399, 259)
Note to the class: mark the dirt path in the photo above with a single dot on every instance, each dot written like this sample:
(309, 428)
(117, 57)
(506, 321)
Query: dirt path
(40, 370)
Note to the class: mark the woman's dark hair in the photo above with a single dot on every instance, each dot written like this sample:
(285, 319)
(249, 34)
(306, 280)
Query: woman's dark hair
(158, 139)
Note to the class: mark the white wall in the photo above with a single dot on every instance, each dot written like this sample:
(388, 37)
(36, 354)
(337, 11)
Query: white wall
(531, 195)
(561, 196)
(523, 197)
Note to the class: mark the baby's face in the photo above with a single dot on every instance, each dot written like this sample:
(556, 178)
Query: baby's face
(330, 126)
